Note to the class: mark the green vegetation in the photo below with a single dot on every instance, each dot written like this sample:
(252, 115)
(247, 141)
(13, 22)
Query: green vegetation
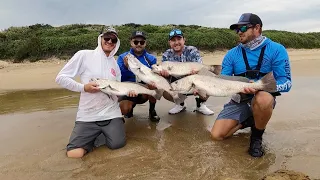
(41, 41)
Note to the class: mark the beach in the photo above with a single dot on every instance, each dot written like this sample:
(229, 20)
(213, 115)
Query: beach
(37, 117)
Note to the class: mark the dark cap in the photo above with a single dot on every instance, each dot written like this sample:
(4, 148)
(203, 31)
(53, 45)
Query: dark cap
(138, 34)
(175, 32)
(247, 18)
(110, 30)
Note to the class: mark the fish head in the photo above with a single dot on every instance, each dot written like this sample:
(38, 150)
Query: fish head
(102, 83)
(133, 62)
(157, 68)
(182, 85)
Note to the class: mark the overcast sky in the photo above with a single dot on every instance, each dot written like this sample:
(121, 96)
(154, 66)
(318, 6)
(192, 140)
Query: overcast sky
(289, 15)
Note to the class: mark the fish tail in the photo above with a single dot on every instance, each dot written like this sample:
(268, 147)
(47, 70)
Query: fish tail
(268, 82)
(216, 69)
(158, 94)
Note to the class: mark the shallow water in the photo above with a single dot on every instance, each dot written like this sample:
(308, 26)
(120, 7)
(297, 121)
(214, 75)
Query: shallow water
(35, 127)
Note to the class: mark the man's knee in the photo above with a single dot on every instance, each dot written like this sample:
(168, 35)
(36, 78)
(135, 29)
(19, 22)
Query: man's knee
(76, 153)
(263, 100)
(117, 144)
(217, 136)
(126, 106)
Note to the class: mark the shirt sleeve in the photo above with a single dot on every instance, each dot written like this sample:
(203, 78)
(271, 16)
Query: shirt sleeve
(195, 55)
(227, 65)
(121, 65)
(154, 60)
(72, 69)
(282, 70)
(165, 56)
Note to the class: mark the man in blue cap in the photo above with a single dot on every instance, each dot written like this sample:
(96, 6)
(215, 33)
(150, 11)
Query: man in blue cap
(179, 52)
(138, 42)
(254, 57)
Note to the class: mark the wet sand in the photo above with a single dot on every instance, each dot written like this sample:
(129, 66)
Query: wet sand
(36, 119)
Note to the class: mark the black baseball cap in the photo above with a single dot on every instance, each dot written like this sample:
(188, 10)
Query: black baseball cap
(138, 34)
(247, 18)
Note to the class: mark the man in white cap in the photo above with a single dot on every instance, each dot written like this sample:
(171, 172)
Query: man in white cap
(97, 113)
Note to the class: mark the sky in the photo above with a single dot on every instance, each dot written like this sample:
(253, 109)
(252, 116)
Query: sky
(287, 15)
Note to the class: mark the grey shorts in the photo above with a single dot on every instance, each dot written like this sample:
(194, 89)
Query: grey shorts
(84, 134)
(238, 111)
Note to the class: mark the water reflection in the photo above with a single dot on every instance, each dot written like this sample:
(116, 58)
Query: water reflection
(37, 100)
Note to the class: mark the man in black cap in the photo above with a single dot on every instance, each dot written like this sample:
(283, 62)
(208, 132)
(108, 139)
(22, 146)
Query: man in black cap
(138, 42)
(254, 57)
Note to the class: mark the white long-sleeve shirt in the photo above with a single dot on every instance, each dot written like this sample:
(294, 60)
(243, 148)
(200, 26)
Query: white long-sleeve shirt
(92, 64)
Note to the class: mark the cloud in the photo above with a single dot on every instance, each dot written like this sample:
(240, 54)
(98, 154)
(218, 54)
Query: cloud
(289, 15)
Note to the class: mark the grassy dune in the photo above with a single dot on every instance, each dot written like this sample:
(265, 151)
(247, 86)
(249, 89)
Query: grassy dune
(41, 41)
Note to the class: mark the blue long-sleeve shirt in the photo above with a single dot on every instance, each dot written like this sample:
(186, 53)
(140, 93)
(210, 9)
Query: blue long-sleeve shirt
(275, 59)
(146, 59)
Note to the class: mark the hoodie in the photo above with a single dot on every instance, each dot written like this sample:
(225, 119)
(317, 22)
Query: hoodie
(275, 59)
(92, 64)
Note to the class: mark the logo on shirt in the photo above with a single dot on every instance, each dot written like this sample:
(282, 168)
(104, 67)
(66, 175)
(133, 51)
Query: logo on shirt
(113, 72)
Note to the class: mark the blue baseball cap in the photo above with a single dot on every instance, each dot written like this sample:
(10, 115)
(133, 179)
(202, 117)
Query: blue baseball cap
(247, 18)
(175, 32)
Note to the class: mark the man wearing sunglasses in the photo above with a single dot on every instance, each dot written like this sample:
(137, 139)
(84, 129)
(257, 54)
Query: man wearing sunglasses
(138, 42)
(98, 113)
(254, 57)
(179, 52)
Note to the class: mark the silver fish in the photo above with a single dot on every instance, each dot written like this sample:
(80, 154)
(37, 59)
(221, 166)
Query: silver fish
(112, 87)
(146, 75)
(178, 69)
(222, 86)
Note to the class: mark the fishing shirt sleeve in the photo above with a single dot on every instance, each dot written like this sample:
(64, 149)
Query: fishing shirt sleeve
(72, 69)
(282, 70)
(122, 67)
(227, 64)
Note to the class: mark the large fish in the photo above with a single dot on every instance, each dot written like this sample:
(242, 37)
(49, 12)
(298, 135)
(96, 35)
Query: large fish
(178, 69)
(146, 75)
(112, 87)
(222, 86)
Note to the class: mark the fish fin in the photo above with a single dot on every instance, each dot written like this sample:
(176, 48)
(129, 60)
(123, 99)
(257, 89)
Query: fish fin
(216, 69)
(141, 71)
(111, 88)
(202, 93)
(233, 78)
(268, 82)
(205, 72)
(236, 98)
(158, 94)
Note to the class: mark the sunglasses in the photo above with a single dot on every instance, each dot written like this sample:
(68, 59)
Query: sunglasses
(136, 42)
(113, 40)
(175, 32)
(243, 28)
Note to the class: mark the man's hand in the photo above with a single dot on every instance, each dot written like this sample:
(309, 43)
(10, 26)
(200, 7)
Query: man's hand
(249, 90)
(125, 61)
(195, 92)
(132, 94)
(164, 73)
(91, 87)
(152, 86)
(193, 71)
